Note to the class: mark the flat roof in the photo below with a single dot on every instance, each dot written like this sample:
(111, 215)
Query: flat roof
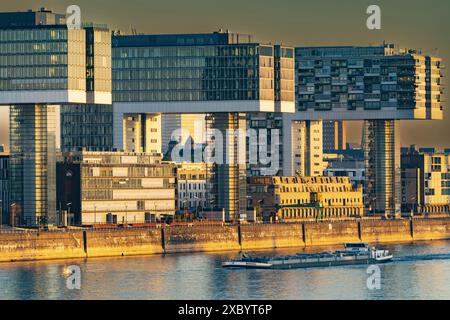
(161, 40)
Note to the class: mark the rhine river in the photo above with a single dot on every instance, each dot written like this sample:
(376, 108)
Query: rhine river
(419, 271)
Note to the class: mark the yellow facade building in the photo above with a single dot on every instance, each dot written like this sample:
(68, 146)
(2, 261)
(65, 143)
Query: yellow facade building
(305, 198)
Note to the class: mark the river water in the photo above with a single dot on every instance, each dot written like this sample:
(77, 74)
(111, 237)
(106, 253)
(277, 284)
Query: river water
(419, 271)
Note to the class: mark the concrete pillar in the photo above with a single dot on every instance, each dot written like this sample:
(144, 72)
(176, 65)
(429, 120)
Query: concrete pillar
(33, 163)
(230, 163)
(288, 165)
(382, 161)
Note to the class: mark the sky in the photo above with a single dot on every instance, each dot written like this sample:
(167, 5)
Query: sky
(416, 24)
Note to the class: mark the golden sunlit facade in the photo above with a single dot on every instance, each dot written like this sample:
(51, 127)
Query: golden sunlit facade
(305, 198)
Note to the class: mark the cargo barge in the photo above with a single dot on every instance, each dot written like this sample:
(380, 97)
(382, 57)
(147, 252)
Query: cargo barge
(354, 254)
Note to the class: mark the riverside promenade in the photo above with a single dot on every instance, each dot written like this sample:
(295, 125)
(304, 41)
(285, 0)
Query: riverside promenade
(26, 245)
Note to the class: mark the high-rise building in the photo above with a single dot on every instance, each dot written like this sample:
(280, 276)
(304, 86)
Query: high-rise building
(378, 84)
(185, 77)
(121, 187)
(45, 63)
(204, 73)
(33, 181)
(382, 162)
(425, 181)
(4, 188)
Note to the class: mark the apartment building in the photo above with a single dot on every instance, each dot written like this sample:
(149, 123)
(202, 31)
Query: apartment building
(305, 198)
(425, 181)
(194, 184)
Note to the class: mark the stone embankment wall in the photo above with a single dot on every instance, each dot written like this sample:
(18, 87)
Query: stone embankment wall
(29, 246)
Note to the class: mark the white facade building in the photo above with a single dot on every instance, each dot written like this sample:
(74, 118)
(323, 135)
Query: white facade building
(194, 184)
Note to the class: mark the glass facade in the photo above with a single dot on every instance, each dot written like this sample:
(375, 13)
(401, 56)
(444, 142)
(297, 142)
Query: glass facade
(42, 62)
(230, 184)
(382, 162)
(86, 126)
(47, 50)
(192, 73)
(4, 188)
(33, 164)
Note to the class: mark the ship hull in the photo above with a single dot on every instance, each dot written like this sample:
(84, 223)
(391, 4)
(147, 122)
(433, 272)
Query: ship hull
(292, 264)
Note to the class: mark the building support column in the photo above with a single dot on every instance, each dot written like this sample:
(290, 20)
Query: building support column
(118, 128)
(382, 162)
(288, 163)
(33, 164)
(230, 168)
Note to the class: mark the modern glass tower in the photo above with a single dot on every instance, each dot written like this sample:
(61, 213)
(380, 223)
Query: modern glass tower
(4, 187)
(44, 63)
